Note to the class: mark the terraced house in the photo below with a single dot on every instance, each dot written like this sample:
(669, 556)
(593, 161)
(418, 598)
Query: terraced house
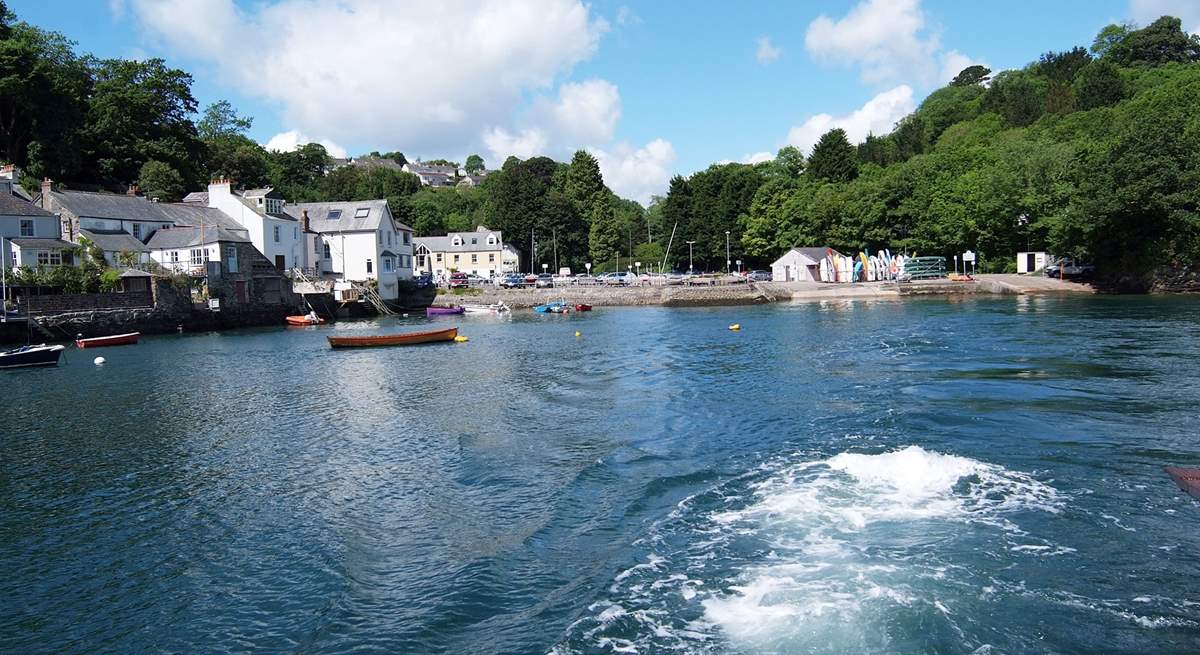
(357, 241)
(481, 252)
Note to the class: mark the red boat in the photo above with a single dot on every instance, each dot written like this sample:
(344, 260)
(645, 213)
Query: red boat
(305, 320)
(1187, 479)
(406, 339)
(114, 340)
(583, 307)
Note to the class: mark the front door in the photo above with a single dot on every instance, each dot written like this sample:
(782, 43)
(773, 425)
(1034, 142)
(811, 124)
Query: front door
(239, 290)
(279, 262)
(1030, 265)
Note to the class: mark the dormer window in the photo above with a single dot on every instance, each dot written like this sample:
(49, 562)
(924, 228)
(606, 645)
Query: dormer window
(274, 206)
(362, 212)
(335, 214)
(491, 239)
(474, 241)
(457, 240)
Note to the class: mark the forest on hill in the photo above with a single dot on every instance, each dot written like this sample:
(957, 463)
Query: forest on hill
(1090, 152)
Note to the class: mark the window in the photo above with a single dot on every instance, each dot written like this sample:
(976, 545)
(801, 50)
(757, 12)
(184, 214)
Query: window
(276, 231)
(406, 236)
(474, 259)
(457, 240)
(456, 259)
(491, 239)
(274, 205)
(316, 245)
(387, 264)
(49, 258)
(327, 251)
(439, 258)
(173, 256)
(389, 238)
(362, 212)
(137, 230)
(295, 233)
(491, 257)
(199, 256)
(369, 267)
(231, 261)
(335, 214)
(26, 227)
(474, 241)
(379, 236)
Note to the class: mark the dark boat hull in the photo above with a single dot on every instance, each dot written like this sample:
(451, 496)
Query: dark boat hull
(1187, 479)
(31, 356)
(408, 339)
(443, 311)
(115, 340)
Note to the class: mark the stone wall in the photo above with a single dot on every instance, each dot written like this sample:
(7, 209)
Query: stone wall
(74, 302)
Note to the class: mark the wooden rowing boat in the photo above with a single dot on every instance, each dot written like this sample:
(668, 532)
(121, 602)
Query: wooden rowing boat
(1187, 479)
(305, 320)
(406, 339)
(114, 340)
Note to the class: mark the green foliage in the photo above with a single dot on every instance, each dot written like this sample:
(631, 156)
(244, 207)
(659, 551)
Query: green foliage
(110, 280)
(833, 158)
(161, 182)
(1161, 42)
(474, 164)
(1099, 84)
(971, 76)
(221, 120)
(1110, 36)
(1018, 96)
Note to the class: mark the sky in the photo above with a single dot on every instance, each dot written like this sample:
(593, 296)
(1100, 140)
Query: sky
(652, 89)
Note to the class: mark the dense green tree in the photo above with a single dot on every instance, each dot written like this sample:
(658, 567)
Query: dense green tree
(139, 111)
(1061, 67)
(159, 181)
(604, 236)
(1161, 42)
(833, 158)
(880, 150)
(1108, 37)
(582, 183)
(789, 161)
(296, 173)
(474, 164)
(971, 76)
(1018, 96)
(221, 120)
(1099, 84)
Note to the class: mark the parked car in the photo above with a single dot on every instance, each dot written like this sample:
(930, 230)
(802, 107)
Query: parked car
(760, 276)
(476, 280)
(561, 280)
(531, 279)
(459, 281)
(620, 279)
(585, 280)
(544, 281)
(1069, 268)
(424, 280)
(512, 281)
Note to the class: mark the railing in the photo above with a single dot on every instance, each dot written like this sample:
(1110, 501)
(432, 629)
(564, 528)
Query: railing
(924, 268)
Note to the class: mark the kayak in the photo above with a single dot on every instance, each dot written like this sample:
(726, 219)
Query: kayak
(114, 340)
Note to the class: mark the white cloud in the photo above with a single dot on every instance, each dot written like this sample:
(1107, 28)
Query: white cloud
(524, 144)
(586, 113)
(637, 173)
(418, 76)
(1148, 11)
(878, 116)
(292, 139)
(888, 39)
(766, 53)
(758, 157)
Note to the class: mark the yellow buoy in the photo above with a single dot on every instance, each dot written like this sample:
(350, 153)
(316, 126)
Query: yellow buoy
(735, 327)
(578, 333)
(461, 339)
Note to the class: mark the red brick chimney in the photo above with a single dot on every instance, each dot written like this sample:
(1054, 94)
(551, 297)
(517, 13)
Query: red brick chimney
(132, 190)
(304, 220)
(47, 186)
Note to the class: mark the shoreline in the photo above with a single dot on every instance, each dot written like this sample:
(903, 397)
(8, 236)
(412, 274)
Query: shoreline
(765, 292)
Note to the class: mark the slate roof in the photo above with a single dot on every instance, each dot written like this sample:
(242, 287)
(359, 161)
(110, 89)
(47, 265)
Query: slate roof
(114, 240)
(32, 242)
(93, 204)
(186, 237)
(319, 221)
(815, 254)
(377, 162)
(197, 197)
(11, 205)
(194, 215)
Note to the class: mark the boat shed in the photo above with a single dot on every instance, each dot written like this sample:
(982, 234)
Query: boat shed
(800, 265)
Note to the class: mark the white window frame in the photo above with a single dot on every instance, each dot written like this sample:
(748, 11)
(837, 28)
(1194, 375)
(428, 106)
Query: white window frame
(362, 212)
(387, 265)
(51, 257)
(27, 227)
(369, 267)
(137, 231)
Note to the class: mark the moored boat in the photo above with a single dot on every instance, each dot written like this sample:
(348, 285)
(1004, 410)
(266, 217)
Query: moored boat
(406, 339)
(441, 310)
(307, 319)
(1187, 479)
(555, 307)
(40, 355)
(497, 308)
(583, 307)
(127, 339)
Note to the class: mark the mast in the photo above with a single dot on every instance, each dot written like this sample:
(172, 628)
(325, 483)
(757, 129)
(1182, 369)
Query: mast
(4, 280)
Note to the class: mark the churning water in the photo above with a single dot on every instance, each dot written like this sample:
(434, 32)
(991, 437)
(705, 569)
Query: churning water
(873, 477)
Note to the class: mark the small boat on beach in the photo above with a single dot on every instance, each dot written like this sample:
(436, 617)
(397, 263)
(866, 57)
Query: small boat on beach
(1187, 479)
(583, 307)
(307, 319)
(555, 307)
(497, 308)
(127, 339)
(406, 339)
(443, 310)
(40, 355)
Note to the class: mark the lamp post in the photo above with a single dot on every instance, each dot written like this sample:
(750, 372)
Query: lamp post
(588, 266)
(690, 267)
(727, 262)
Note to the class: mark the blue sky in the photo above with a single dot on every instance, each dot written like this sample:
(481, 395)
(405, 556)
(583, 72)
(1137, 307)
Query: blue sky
(652, 88)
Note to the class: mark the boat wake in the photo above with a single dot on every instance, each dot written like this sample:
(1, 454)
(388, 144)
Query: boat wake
(853, 553)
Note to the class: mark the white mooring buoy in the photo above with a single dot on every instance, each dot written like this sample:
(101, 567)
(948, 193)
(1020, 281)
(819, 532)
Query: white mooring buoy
(98, 361)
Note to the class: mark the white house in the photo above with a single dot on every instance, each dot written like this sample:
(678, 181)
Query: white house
(481, 252)
(261, 212)
(1032, 262)
(799, 265)
(34, 227)
(357, 241)
(190, 249)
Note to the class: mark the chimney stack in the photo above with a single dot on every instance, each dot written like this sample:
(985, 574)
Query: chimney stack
(132, 190)
(47, 187)
(304, 220)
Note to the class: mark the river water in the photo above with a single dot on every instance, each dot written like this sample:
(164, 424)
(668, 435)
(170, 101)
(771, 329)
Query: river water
(940, 476)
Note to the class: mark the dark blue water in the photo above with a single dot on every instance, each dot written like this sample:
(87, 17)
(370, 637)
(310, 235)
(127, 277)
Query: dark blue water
(919, 476)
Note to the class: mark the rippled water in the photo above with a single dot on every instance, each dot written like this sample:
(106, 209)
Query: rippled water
(918, 476)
